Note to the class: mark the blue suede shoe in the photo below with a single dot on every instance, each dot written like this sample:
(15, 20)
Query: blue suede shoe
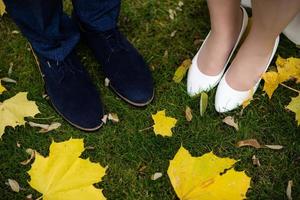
(128, 74)
(71, 92)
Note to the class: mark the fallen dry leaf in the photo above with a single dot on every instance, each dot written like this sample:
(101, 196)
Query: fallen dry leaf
(18, 144)
(172, 14)
(254, 143)
(45, 127)
(104, 119)
(173, 34)
(195, 178)
(64, 175)
(14, 185)
(203, 103)
(113, 117)
(29, 197)
(13, 111)
(275, 147)
(163, 124)
(250, 142)
(181, 70)
(156, 176)
(289, 190)
(31, 152)
(8, 80)
(188, 114)
(229, 120)
(255, 161)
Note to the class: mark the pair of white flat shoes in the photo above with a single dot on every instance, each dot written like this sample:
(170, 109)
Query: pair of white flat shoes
(226, 98)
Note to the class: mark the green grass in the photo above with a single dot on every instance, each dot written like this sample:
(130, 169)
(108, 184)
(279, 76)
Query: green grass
(121, 146)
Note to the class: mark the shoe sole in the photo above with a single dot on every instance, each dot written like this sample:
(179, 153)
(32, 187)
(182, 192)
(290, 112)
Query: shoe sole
(131, 102)
(76, 126)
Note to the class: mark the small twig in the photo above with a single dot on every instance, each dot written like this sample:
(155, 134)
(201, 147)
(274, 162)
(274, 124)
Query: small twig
(284, 85)
(145, 129)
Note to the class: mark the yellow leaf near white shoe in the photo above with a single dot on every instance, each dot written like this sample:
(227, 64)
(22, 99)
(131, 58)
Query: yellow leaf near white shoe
(294, 106)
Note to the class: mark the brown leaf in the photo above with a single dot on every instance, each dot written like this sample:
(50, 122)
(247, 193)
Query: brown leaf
(14, 185)
(229, 120)
(45, 127)
(113, 117)
(31, 152)
(188, 113)
(250, 142)
(255, 161)
(289, 190)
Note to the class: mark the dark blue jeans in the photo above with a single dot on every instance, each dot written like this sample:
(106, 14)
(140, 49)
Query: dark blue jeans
(51, 32)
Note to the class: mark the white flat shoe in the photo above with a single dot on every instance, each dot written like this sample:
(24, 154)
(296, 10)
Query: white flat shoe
(228, 98)
(197, 81)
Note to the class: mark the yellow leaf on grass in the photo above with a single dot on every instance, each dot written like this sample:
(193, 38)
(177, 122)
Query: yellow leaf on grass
(181, 70)
(248, 100)
(195, 178)
(2, 88)
(271, 82)
(64, 176)
(13, 111)
(294, 106)
(288, 68)
(2, 8)
(163, 124)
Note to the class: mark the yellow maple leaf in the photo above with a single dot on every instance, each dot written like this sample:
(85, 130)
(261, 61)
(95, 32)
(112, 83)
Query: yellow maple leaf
(163, 124)
(2, 88)
(65, 176)
(195, 178)
(2, 8)
(271, 82)
(294, 106)
(181, 70)
(13, 111)
(288, 68)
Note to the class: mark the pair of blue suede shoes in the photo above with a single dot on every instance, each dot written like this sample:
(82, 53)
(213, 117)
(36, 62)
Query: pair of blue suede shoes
(71, 91)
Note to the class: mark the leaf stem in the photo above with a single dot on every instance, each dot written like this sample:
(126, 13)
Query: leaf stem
(284, 85)
(39, 198)
(145, 129)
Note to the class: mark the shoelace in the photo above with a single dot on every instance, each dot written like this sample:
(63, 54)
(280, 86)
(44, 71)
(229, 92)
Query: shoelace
(115, 42)
(63, 67)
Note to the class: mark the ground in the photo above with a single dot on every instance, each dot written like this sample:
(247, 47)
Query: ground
(122, 146)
